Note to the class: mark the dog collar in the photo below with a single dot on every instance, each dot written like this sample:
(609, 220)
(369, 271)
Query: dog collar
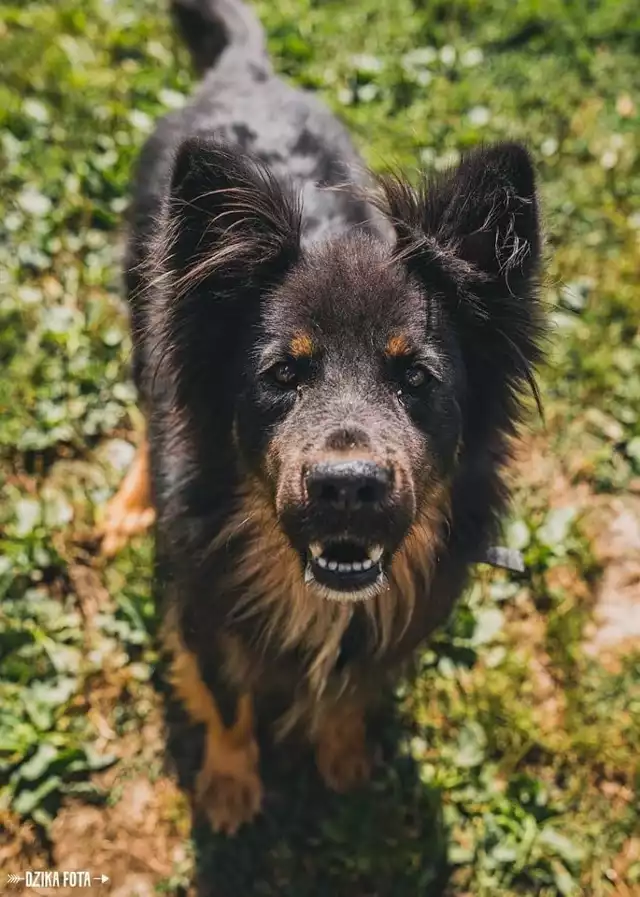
(506, 558)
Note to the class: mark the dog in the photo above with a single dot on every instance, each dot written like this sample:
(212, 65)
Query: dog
(332, 367)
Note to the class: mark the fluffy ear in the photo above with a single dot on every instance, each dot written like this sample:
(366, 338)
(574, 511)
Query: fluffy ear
(227, 220)
(476, 224)
(228, 233)
(473, 235)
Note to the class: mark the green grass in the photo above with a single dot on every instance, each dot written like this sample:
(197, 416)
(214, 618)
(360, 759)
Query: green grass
(513, 741)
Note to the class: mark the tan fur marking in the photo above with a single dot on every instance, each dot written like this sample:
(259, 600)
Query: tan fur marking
(129, 511)
(341, 753)
(413, 564)
(228, 786)
(270, 579)
(398, 346)
(301, 346)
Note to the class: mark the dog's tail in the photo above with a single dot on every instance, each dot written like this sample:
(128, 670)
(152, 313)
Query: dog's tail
(213, 29)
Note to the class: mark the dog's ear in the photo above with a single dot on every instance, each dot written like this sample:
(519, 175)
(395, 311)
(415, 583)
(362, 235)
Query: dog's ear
(475, 225)
(228, 232)
(472, 235)
(228, 223)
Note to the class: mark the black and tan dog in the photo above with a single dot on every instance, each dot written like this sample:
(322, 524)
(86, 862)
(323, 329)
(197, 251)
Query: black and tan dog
(330, 380)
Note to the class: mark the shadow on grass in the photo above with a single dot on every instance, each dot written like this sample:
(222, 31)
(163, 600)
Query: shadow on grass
(385, 841)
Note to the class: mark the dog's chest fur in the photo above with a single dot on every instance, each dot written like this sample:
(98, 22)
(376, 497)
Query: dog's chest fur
(264, 632)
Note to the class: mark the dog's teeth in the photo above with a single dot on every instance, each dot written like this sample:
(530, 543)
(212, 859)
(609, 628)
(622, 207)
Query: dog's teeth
(316, 550)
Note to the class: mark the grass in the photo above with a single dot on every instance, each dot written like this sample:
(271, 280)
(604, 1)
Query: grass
(518, 769)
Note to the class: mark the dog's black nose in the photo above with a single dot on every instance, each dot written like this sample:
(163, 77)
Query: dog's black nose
(348, 485)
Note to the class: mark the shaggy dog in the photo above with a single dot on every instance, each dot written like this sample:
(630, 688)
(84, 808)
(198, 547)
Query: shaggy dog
(330, 379)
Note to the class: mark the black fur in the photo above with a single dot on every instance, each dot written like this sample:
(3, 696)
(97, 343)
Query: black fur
(237, 248)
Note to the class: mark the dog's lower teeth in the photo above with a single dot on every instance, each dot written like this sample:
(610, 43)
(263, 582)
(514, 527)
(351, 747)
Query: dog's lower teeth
(319, 558)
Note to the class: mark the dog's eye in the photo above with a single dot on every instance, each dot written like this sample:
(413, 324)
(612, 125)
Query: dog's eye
(415, 376)
(284, 374)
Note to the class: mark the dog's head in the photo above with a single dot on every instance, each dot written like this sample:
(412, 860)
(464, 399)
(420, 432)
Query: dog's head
(357, 375)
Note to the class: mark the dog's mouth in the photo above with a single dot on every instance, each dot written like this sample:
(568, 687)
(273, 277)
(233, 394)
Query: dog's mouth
(345, 566)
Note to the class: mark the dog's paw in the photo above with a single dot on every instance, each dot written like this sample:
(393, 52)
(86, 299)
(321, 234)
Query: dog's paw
(229, 798)
(343, 763)
(125, 516)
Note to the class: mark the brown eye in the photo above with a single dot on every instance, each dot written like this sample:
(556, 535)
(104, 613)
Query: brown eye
(415, 376)
(285, 374)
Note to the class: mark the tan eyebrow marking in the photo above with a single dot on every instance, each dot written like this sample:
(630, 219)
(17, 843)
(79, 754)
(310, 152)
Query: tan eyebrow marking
(398, 346)
(301, 346)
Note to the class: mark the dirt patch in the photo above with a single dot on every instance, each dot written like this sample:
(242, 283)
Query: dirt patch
(137, 843)
(612, 524)
(616, 541)
(138, 836)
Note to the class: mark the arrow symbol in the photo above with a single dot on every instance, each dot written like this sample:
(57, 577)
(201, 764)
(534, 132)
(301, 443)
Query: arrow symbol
(101, 878)
(15, 879)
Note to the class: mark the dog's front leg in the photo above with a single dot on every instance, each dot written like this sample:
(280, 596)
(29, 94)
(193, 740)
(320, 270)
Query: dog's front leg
(228, 787)
(342, 755)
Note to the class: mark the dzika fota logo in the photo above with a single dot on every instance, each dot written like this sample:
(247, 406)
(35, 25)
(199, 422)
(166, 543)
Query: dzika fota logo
(58, 878)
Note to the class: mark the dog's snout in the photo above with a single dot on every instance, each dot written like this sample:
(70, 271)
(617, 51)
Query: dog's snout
(348, 485)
